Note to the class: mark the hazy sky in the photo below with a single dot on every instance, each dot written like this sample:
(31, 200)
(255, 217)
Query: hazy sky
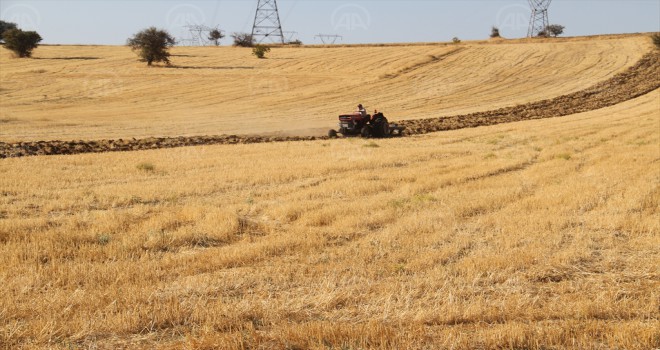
(366, 21)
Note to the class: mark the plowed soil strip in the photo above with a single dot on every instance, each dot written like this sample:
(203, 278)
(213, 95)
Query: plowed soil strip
(637, 81)
(642, 78)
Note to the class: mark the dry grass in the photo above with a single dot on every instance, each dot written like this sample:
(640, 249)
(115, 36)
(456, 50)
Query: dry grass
(83, 92)
(535, 235)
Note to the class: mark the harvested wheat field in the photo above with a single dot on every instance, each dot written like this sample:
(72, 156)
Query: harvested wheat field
(82, 92)
(538, 234)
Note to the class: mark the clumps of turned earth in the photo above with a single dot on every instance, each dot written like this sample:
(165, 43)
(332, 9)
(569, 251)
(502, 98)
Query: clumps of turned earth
(635, 82)
(37, 148)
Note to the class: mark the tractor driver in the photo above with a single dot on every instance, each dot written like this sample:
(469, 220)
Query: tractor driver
(362, 110)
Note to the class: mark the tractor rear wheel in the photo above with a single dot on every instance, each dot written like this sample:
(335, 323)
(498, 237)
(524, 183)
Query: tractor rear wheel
(386, 129)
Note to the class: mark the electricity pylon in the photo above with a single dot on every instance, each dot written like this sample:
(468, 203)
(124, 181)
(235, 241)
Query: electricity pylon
(539, 21)
(267, 24)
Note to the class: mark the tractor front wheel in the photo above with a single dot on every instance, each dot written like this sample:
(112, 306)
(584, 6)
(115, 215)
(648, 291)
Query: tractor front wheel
(366, 132)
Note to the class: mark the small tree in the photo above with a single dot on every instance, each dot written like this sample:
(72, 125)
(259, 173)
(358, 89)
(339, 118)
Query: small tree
(216, 35)
(555, 30)
(260, 51)
(495, 32)
(243, 39)
(543, 34)
(5, 26)
(20, 42)
(456, 40)
(656, 40)
(152, 45)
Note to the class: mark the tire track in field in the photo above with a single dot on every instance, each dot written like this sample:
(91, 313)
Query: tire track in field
(637, 81)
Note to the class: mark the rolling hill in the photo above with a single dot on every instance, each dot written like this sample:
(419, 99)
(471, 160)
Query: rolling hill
(536, 234)
(91, 93)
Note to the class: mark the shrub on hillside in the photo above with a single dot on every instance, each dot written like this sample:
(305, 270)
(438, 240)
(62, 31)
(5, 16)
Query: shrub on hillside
(243, 39)
(5, 26)
(20, 42)
(495, 32)
(456, 40)
(152, 45)
(215, 36)
(554, 30)
(260, 51)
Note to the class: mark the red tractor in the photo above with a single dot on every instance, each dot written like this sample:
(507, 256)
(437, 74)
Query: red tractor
(366, 126)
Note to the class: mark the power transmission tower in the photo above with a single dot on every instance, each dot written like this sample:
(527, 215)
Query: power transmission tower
(329, 38)
(199, 34)
(290, 36)
(539, 21)
(267, 22)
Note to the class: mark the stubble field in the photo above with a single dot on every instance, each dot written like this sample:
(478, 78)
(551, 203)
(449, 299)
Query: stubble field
(541, 234)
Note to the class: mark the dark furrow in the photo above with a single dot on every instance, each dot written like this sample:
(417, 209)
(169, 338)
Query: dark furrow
(637, 81)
